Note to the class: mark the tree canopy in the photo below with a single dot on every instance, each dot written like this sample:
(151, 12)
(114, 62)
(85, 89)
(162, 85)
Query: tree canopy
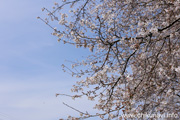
(135, 62)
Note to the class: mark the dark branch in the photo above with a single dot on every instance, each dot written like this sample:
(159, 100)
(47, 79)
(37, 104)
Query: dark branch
(160, 30)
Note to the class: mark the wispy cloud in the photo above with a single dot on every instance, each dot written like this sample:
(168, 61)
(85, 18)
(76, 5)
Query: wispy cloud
(36, 99)
(30, 60)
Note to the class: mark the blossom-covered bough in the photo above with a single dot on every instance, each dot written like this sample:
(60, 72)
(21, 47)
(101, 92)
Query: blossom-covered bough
(135, 62)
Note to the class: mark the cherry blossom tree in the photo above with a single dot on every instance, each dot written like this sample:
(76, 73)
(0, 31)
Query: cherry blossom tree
(134, 66)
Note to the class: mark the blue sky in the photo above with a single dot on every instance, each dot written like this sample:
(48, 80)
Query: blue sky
(30, 65)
